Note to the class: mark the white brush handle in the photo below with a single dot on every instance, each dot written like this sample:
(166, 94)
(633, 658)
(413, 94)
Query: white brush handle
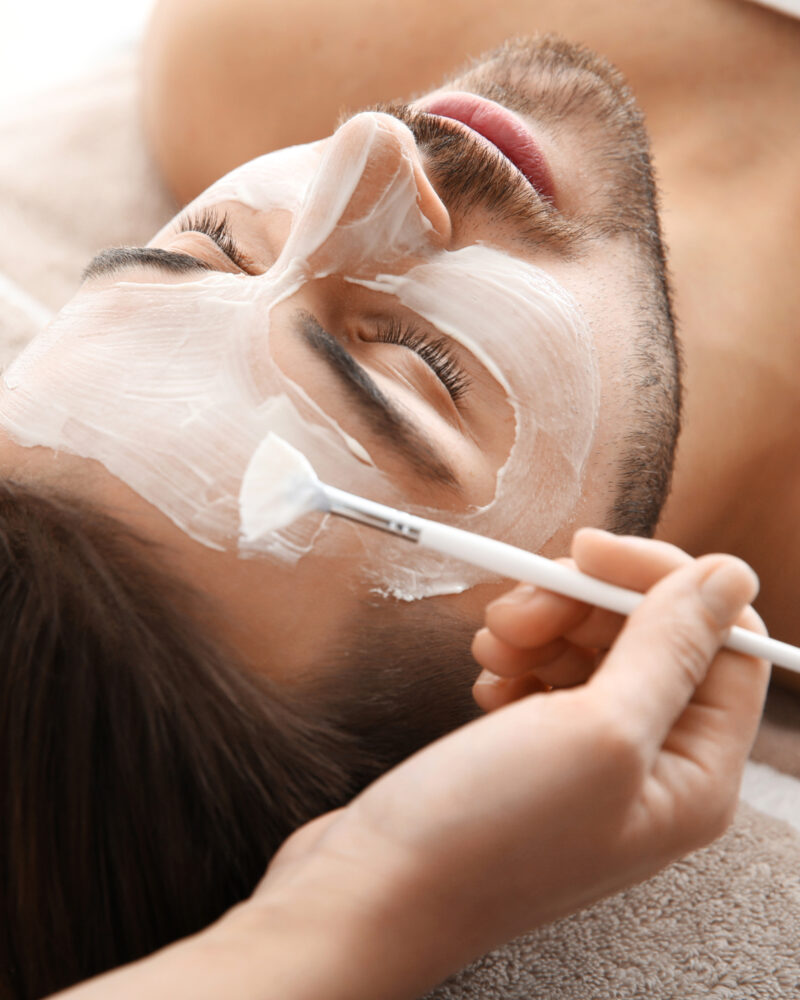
(517, 564)
(531, 568)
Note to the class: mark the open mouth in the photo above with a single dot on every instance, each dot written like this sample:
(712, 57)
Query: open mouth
(502, 128)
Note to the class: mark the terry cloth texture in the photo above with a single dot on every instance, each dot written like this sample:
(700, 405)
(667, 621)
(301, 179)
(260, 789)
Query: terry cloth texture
(722, 923)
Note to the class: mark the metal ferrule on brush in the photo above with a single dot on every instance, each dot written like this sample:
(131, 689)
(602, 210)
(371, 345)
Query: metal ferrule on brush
(376, 515)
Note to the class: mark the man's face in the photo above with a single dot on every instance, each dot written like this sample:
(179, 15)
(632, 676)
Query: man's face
(432, 327)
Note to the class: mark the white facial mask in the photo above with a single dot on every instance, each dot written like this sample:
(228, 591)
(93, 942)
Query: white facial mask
(172, 386)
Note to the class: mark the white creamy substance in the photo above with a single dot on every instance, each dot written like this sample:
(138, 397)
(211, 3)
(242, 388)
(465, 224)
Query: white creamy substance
(279, 486)
(173, 388)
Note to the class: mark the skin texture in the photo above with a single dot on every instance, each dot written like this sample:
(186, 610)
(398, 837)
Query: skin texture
(666, 731)
(725, 148)
(648, 753)
(279, 618)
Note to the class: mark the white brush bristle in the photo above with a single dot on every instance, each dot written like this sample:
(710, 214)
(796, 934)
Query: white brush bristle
(279, 485)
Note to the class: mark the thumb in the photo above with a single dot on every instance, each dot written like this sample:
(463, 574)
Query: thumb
(665, 648)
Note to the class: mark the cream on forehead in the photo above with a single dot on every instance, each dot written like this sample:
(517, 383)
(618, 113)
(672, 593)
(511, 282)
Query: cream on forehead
(157, 381)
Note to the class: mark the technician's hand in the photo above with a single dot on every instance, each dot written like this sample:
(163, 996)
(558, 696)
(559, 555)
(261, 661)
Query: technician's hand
(557, 799)
(539, 808)
(535, 640)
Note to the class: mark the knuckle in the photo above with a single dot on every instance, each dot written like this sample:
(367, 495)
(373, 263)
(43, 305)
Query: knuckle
(691, 648)
(750, 619)
(510, 625)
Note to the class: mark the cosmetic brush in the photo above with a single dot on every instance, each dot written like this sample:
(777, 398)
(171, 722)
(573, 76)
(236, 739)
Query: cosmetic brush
(280, 485)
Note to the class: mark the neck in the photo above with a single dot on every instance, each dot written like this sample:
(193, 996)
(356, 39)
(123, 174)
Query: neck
(729, 174)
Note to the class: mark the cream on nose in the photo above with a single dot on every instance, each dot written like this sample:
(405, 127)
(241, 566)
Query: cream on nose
(430, 204)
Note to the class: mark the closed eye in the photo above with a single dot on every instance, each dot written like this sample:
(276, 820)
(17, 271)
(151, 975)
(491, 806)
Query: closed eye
(434, 351)
(216, 226)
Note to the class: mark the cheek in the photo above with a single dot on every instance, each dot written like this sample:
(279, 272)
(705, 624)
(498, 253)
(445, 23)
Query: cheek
(176, 399)
(476, 445)
(531, 338)
(610, 296)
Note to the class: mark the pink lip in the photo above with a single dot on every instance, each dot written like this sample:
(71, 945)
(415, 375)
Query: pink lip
(501, 128)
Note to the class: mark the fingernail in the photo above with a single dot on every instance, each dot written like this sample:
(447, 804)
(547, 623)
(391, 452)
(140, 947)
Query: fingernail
(589, 530)
(486, 678)
(729, 586)
(519, 595)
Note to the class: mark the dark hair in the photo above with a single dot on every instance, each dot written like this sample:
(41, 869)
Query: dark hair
(145, 777)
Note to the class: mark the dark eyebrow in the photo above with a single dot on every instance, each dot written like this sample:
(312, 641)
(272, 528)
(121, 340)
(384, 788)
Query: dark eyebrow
(117, 259)
(385, 418)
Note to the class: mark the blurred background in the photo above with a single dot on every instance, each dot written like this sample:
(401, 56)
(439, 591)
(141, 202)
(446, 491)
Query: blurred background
(46, 42)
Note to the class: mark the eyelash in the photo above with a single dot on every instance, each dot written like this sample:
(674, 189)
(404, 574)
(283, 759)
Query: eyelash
(435, 353)
(216, 226)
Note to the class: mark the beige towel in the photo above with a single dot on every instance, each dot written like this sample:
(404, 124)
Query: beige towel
(722, 923)
(74, 178)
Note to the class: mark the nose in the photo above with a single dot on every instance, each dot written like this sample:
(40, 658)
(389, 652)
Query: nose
(429, 202)
(370, 204)
(392, 176)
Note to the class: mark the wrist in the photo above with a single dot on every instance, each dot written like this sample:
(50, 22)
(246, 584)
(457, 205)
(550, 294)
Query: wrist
(318, 938)
(304, 940)
(340, 930)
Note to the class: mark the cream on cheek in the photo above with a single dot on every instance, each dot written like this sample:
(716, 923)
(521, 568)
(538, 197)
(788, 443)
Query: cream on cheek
(173, 386)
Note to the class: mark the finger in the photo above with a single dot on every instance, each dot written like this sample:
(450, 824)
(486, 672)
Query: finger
(625, 560)
(736, 688)
(546, 614)
(567, 665)
(509, 661)
(708, 747)
(492, 692)
(720, 723)
(529, 616)
(574, 666)
(598, 630)
(663, 653)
